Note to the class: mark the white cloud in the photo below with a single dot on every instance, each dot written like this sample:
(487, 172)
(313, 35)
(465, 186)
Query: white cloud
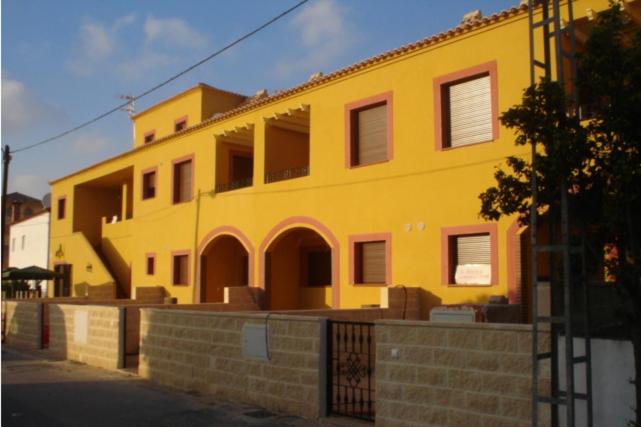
(324, 36)
(172, 32)
(32, 185)
(89, 143)
(22, 109)
(97, 43)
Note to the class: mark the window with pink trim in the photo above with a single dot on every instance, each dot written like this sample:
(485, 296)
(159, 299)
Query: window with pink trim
(180, 124)
(370, 259)
(466, 107)
(180, 269)
(151, 264)
(62, 207)
(369, 130)
(149, 185)
(470, 255)
(150, 137)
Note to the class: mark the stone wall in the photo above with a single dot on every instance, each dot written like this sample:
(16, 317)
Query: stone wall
(443, 374)
(102, 292)
(203, 352)
(22, 324)
(87, 333)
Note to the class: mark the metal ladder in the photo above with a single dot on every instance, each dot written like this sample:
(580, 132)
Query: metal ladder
(547, 27)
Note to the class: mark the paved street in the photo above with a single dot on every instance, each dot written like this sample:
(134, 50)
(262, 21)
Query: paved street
(38, 392)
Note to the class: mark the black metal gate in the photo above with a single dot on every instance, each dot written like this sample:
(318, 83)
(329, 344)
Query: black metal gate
(351, 360)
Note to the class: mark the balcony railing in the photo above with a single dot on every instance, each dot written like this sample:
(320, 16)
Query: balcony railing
(286, 174)
(234, 185)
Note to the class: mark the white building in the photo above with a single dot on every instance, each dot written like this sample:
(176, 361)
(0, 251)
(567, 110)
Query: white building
(29, 242)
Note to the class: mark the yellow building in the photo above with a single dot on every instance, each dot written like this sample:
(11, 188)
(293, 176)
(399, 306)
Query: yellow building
(321, 194)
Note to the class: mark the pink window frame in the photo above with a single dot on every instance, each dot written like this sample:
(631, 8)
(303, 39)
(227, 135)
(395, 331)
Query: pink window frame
(151, 133)
(351, 108)
(446, 254)
(181, 253)
(62, 199)
(439, 85)
(181, 120)
(371, 237)
(144, 172)
(152, 255)
(174, 162)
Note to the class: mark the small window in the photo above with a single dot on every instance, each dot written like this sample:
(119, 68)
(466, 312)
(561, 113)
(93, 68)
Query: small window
(182, 181)
(150, 137)
(369, 135)
(370, 263)
(151, 265)
(180, 124)
(181, 270)
(22, 243)
(62, 202)
(149, 185)
(471, 257)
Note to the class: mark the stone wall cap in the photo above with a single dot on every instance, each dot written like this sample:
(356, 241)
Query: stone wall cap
(251, 315)
(452, 325)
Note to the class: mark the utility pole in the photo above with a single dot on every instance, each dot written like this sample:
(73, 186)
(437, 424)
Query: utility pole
(130, 110)
(6, 159)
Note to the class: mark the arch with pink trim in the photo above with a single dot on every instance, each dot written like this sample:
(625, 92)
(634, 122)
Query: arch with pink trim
(300, 236)
(225, 258)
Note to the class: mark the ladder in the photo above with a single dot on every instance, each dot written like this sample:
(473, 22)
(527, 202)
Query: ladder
(555, 35)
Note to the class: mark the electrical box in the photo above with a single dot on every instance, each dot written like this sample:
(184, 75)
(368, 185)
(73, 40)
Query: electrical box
(255, 342)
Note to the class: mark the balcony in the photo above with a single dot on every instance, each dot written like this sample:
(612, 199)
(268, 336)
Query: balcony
(287, 145)
(235, 159)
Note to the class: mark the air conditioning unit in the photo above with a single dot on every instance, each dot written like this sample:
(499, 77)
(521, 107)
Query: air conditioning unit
(453, 315)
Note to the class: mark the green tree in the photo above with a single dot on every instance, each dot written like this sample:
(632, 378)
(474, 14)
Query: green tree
(597, 160)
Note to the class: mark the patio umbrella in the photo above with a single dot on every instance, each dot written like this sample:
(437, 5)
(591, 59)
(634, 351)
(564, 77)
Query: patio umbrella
(29, 273)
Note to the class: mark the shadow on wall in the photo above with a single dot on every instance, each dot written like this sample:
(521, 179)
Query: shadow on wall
(22, 325)
(427, 301)
(57, 325)
(119, 268)
(80, 289)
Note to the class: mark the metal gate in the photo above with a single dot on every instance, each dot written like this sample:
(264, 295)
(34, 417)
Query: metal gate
(351, 380)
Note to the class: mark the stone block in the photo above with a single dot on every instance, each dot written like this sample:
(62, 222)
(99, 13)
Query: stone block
(464, 339)
(449, 358)
(465, 380)
(483, 361)
(480, 402)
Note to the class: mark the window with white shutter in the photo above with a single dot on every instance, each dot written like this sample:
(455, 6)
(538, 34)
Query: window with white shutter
(468, 119)
(472, 260)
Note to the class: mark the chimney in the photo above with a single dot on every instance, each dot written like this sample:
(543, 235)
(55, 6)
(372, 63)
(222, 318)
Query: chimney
(472, 16)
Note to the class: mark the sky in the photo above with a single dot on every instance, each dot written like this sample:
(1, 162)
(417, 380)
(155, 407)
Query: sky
(67, 61)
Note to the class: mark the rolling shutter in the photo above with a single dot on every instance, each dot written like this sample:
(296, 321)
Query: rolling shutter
(473, 249)
(372, 135)
(373, 262)
(470, 112)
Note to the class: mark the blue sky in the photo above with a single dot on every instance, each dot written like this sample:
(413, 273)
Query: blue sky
(64, 62)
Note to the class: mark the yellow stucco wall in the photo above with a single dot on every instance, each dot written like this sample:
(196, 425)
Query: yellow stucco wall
(420, 185)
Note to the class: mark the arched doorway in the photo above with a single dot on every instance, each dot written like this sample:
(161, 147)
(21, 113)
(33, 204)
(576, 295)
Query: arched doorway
(298, 270)
(223, 263)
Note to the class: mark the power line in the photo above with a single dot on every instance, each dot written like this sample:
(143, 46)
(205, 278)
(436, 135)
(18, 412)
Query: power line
(165, 82)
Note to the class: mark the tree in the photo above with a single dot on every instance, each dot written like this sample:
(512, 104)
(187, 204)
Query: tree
(597, 160)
